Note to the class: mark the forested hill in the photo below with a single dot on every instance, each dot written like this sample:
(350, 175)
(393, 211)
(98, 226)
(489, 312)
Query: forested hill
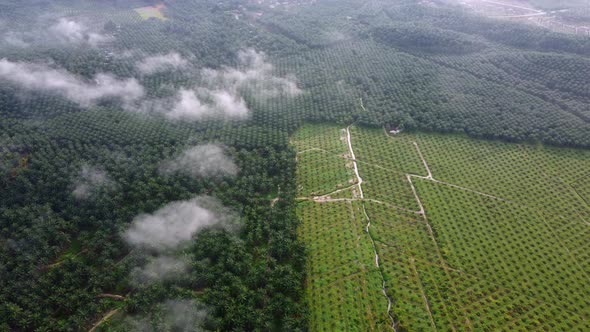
(113, 113)
(419, 66)
(431, 67)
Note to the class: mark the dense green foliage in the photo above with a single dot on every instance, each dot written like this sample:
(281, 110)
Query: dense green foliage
(428, 40)
(42, 222)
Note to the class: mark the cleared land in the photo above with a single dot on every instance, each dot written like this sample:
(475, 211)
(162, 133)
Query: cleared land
(468, 234)
(151, 11)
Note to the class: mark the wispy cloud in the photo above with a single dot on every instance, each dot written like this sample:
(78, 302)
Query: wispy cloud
(173, 315)
(73, 32)
(15, 39)
(160, 268)
(40, 77)
(201, 160)
(160, 63)
(89, 180)
(60, 32)
(200, 103)
(254, 72)
(176, 223)
(220, 94)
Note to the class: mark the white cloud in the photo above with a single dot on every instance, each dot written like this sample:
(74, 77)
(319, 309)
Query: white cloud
(173, 315)
(254, 73)
(220, 95)
(40, 77)
(97, 39)
(183, 315)
(73, 32)
(188, 106)
(68, 30)
(334, 36)
(176, 223)
(158, 269)
(90, 179)
(229, 103)
(160, 63)
(203, 103)
(15, 39)
(48, 31)
(202, 160)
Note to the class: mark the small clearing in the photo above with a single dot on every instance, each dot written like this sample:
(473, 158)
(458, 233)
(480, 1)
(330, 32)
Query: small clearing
(155, 11)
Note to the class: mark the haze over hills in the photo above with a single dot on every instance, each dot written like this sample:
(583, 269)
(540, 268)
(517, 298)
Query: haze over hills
(217, 165)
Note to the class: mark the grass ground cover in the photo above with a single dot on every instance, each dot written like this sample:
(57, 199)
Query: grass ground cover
(323, 160)
(501, 245)
(343, 287)
(322, 172)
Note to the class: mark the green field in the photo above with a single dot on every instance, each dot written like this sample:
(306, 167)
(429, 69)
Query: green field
(501, 245)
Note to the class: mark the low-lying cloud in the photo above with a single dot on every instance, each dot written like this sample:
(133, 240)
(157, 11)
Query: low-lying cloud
(255, 73)
(201, 160)
(199, 104)
(173, 315)
(40, 77)
(63, 32)
(89, 180)
(334, 36)
(220, 94)
(176, 223)
(15, 39)
(158, 269)
(73, 32)
(161, 63)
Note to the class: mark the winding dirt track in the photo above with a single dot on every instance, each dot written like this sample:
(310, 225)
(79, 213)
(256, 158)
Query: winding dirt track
(359, 183)
(104, 319)
(429, 177)
(361, 198)
(326, 198)
(356, 170)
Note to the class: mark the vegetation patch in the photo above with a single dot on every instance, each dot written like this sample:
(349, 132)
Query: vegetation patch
(148, 12)
(425, 39)
(470, 235)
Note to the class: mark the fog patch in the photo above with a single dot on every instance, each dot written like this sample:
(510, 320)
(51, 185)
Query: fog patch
(188, 106)
(220, 94)
(230, 102)
(73, 32)
(60, 32)
(161, 63)
(15, 40)
(332, 37)
(198, 104)
(254, 73)
(159, 268)
(201, 160)
(40, 77)
(89, 180)
(173, 315)
(177, 222)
